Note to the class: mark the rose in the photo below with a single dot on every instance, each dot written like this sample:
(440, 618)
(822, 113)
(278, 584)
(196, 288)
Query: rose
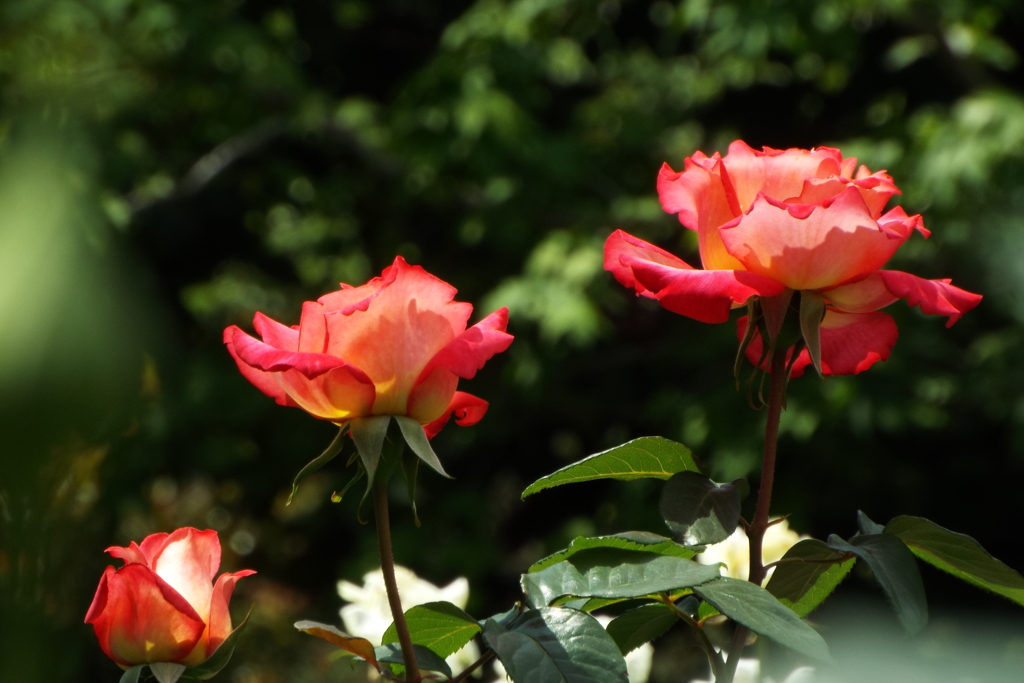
(163, 605)
(776, 220)
(394, 346)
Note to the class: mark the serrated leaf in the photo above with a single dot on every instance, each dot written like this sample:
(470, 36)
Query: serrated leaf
(706, 610)
(807, 574)
(894, 567)
(419, 443)
(630, 540)
(556, 645)
(758, 610)
(425, 658)
(440, 626)
(360, 647)
(866, 526)
(649, 457)
(368, 433)
(957, 554)
(213, 664)
(613, 573)
(632, 629)
(328, 455)
(698, 510)
(132, 675)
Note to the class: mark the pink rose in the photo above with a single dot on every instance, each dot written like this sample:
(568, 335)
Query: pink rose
(772, 220)
(164, 605)
(397, 345)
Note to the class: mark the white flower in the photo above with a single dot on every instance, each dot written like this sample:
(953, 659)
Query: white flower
(734, 552)
(369, 615)
(638, 662)
(748, 670)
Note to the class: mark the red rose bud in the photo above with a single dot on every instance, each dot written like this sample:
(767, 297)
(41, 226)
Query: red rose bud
(164, 605)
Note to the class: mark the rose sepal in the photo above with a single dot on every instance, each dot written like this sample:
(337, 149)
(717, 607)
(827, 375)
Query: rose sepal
(329, 454)
(132, 675)
(213, 664)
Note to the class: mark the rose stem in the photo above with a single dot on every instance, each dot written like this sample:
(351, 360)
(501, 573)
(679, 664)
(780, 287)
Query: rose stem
(387, 566)
(755, 532)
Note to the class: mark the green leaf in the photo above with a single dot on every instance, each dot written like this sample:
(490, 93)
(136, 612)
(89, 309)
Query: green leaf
(440, 626)
(419, 443)
(411, 470)
(632, 629)
(866, 526)
(556, 645)
(132, 674)
(758, 610)
(957, 554)
(649, 457)
(700, 511)
(425, 658)
(213, 664)
(807, 574)
(812, 312)
(613, 573)
(629, 540)
(360, 647)
(368, 434)
(328, 455)
(705, 611)
(894, 567)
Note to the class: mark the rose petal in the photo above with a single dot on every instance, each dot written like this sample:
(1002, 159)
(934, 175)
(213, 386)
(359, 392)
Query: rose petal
(811, 246)
(430, 398)
(935, 297)
(220, 616)
(469, 351)
(188, 562)
(340, 394)
(850, 343)
(698, 196)
(139, 618)
(621, 244)
(897, 222)
(776, 173)
(262, 380)
(264, 357)
(133, 553)
(468, 410)
(876, 189)
(863, 296)
(275, 334)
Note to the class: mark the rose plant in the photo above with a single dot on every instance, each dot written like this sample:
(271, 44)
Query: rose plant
(166, 608)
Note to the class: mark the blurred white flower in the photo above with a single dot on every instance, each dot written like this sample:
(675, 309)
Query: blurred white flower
(748, 670)
(734, 552)
(638, 662)
(369, 615)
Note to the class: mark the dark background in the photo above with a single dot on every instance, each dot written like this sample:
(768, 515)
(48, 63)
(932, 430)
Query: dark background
(168, 168)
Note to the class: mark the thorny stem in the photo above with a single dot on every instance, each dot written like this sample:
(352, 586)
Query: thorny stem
(755, 533)
(387, 566)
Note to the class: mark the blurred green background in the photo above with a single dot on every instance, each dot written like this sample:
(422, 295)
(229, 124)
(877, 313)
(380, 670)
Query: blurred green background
(169, 168)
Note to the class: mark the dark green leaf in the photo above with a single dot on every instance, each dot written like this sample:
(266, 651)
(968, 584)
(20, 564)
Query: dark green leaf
(440, 626)
(959, 555)
(213, 664)
(368, 434)
(698, 510)
(504, 618)
(649, 457)
(556, 645)
(419, 443)
(807, 574)
(425, 658)
(706, 610)
(132, 674)
(632, 629)
(360, 647)
(629, 540)
(866, 526)
(812, 312)
(613, 573)
(758, 610)
(896, 571)
(328, 455)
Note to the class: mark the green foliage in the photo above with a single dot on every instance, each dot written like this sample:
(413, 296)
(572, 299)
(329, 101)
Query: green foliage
(556, 645)
(649, 457)
(698, 510)
(807, 574)
(758, 610)
(957, 554)
(613, 573)
(391, 653)
(641, 541)
(419, 444)
(894, 568)
(632, 629)
(440, 626)
(360, 647)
